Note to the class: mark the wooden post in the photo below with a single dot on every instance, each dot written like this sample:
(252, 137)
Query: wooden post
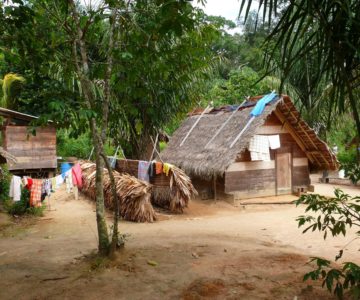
(76, 192)
(215, 187)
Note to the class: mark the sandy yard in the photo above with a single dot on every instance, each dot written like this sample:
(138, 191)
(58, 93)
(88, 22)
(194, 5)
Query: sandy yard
(214, 251)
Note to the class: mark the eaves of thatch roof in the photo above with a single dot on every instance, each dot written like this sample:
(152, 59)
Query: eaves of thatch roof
(197, 160)
(11, 159)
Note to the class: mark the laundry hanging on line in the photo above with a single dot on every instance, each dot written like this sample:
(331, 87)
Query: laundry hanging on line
(260, 145)
(77, 175)
(274, 141)
(15, 188)
(158, 167)
(151, 170)
(43, 187)
(143, 168)
(166, 168)
(35, 193)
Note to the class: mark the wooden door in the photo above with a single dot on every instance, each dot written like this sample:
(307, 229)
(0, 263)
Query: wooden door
(283, 173)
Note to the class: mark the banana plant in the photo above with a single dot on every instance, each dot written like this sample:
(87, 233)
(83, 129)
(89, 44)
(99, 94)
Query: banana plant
(11, 86)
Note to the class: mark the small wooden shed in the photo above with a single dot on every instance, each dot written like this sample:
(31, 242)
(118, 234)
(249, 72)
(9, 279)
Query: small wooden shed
(34, 153)
(230, 170)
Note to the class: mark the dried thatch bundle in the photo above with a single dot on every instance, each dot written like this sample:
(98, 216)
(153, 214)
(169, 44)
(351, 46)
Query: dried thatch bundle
(135, 199)
(161, 196)
(134, 194)
(177, 195)
(182, 190)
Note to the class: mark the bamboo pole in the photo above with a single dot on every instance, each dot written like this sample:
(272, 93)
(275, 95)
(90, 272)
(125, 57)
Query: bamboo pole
(224, 124)
(154, 146)
(156, 149)
(242, 131)
(194, 125)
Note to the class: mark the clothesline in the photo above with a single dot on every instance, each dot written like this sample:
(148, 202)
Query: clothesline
(41, 188)
(148, 169)
(259, 146)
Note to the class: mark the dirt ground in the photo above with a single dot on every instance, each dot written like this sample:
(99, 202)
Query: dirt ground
(212, 251)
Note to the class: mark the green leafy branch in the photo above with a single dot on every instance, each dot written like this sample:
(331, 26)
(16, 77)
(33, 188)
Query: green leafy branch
(335, 216)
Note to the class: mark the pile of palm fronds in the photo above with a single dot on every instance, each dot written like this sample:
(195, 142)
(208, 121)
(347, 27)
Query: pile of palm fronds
(182, 190)
(134, 194)
(177, 196)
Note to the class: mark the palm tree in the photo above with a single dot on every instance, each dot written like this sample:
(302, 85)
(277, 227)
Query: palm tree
(325, 32)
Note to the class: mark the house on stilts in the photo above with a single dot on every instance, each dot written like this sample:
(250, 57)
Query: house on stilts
(30, 154)
(273, 155)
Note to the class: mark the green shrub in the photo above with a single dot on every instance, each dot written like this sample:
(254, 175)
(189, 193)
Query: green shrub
(22, 207)
(5, 180)
(79, 146)
(349, 163)
(68, 146)
(353, 173)
(333, 216)
(347, 156)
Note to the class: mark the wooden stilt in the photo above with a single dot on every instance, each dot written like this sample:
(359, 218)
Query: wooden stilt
(215, 196)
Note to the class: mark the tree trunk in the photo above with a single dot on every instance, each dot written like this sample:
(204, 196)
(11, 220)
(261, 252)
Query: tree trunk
(103, 245)
(142, 147)
(82, 68)
(115, 234)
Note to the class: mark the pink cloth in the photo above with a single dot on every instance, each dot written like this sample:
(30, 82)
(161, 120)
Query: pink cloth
(77, 176)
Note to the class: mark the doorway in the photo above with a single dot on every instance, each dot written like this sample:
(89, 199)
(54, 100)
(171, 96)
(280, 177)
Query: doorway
(283, 173)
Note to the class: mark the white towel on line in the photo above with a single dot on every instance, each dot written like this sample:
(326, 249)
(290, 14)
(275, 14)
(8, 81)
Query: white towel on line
(15, 188)
(274, 141)
(259, 143)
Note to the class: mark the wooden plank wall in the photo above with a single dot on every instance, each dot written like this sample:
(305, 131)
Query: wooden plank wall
(247, 178)
(251, 179)
(205, 188)
(127, 166)
(31, 152)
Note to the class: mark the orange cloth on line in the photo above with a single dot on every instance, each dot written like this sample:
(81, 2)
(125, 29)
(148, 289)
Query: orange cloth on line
(35, 193)
(158, 167)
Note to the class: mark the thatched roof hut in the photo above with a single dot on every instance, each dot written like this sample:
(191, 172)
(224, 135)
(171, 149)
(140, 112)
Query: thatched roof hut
(215, 159)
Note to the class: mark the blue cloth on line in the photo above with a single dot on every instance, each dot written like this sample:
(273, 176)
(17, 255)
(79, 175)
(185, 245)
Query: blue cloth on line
(260, 105)
(143, 168)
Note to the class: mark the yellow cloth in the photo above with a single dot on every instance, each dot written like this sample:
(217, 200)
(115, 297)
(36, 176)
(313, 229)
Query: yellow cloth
(166, 168)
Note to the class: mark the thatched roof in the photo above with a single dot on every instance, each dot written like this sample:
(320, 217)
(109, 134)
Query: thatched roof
(11, 159)
(197, 160)
(8, 113)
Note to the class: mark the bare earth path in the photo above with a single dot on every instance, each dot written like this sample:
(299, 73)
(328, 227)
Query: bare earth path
(212, 251)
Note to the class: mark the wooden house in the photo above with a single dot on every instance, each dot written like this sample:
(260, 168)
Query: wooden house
(229, 170)
(34, 153)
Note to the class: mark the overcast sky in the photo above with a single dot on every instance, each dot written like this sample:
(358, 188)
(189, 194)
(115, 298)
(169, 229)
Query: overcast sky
(228, 9)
